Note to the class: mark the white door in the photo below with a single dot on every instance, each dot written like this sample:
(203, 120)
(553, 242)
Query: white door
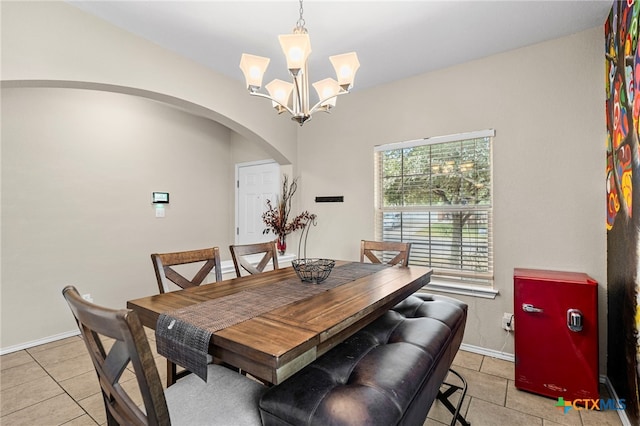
(256, 183)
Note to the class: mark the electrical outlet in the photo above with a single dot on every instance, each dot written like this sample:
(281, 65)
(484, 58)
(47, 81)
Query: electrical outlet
(508, 322)
(87, 297)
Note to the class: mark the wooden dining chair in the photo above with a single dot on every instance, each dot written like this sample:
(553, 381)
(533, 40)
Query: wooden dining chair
(239, 254)
(377, 250)
(165, 275)
(225, 398)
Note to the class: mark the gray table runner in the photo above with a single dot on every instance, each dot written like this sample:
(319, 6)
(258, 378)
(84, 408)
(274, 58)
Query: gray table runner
(183, 335)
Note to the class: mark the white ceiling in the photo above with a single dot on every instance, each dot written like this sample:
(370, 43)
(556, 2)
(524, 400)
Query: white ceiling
(393, 39)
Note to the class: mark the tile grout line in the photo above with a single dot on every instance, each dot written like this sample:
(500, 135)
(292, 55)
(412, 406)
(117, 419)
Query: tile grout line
(63, 390)
(42, 400)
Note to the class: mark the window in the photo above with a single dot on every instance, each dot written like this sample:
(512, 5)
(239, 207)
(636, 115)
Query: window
(436, 193)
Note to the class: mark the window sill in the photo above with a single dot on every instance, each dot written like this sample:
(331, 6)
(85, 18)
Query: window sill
(462, 289)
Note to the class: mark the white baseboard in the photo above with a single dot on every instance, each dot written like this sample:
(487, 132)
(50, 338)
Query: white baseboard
(227, 267)
(621, 413)
(38, 342)
(489, 352)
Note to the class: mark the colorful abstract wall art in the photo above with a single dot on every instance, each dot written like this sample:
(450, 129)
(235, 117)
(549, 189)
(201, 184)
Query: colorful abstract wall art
(622, 58)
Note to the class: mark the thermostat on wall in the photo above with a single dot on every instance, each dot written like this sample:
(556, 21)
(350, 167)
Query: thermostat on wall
(160, 198)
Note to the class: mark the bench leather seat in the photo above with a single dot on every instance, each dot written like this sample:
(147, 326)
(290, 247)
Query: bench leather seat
(388, 373)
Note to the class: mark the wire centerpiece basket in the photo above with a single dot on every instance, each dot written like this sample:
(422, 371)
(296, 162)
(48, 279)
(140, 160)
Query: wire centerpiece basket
(311, 270)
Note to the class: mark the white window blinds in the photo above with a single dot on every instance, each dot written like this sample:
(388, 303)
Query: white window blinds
(436, 193)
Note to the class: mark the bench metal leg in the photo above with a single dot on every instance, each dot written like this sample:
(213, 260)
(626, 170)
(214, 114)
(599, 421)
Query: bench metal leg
(444, 398)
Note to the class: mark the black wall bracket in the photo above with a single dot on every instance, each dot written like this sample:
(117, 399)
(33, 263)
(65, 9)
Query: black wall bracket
(332, 199)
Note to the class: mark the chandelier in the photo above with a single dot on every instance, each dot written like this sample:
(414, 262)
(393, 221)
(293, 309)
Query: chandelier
(294, 97)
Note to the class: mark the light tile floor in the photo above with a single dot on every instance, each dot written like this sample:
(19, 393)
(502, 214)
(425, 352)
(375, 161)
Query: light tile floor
(55, 384)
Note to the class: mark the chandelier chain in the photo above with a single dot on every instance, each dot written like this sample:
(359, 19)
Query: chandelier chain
(301, 22)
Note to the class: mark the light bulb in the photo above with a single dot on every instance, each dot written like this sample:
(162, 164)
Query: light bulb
(345, 71)
(280, 95)
(295, 53)
(255, 72)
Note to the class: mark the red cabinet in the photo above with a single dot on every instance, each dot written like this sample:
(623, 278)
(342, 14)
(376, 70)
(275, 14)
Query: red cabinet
(556, 333)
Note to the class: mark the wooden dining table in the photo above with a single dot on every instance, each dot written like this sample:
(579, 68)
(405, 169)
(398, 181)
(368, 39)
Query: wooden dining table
(276, 344)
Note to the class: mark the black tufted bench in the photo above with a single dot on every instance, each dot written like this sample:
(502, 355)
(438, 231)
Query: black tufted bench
(388, 373)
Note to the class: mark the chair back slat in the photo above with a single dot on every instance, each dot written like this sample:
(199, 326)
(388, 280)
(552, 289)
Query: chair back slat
(97, 323)
(368, 249)
(240, 252)
(200, 276)
(165, 273)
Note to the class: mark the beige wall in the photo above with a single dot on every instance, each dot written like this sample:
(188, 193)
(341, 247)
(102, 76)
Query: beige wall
(545, 103)
(78, 170)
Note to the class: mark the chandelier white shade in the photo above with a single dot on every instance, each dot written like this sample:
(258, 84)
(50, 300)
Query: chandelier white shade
(294, 97)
